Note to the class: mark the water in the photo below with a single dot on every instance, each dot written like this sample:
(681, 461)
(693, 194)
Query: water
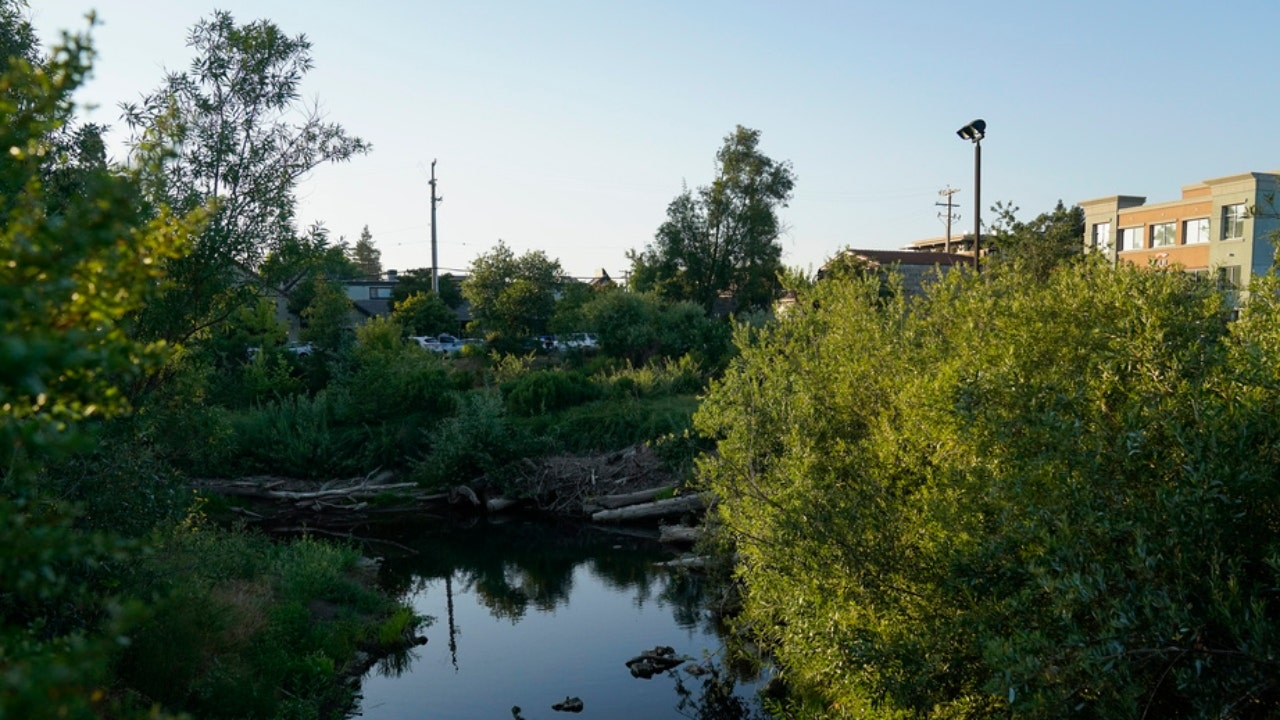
(526, 614)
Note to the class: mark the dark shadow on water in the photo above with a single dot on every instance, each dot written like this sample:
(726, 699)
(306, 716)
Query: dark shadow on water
(520, 570)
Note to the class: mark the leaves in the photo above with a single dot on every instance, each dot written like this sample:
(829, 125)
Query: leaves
(724, 236)
(1044, 492)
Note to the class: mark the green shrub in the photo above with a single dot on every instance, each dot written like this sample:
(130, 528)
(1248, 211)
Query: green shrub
(234, 633)
(656, 379)
(547, 391)
(120, 486)
(478, 440)
(615, 423)
(1024, 497)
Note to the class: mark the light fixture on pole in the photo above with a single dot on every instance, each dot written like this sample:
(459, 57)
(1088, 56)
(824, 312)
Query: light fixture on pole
(975, 131)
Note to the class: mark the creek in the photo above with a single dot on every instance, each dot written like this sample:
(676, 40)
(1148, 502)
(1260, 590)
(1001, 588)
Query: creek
(529, 613)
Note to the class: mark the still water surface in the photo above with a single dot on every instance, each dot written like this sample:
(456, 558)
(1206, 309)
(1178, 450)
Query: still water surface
(525, 614)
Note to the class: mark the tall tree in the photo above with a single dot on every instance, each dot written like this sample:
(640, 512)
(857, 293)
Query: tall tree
(1041, 245)
(71, 269)
(240, 137)
(722, 237)
(512, 297)
(366, 257)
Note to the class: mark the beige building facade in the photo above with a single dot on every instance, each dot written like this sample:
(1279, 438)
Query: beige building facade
(1219, 227)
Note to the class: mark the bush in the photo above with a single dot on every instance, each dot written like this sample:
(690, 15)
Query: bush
(477, 441)
(547, 391)
(233, 633)
(664, 377)
(1042, 498)
(615, 423)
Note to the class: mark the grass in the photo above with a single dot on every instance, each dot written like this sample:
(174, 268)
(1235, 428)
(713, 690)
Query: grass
(245, 627)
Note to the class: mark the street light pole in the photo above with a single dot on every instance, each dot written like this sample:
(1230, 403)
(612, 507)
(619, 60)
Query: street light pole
(975, 131)
(977, 205)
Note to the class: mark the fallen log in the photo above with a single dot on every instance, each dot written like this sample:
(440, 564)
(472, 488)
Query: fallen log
(659, 508)
(498, 504)
(610, 502)
(679, 534)
(690, 562)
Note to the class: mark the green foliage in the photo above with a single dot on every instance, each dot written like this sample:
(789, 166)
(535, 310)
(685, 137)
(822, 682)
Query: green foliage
(120, 485)
(425, 314)
(247, 627)
(573, 297)
(296, 265)
(545, 391)
(723, 237)
(366, 257)
(392, 379)
(476, 441)
(638, 327)
(247, 169)
(511, 297)
(664, 377)
(73, 266)
(625, 323)
(1039, 246)
(328, 318)
(612, 423)
(1016, 496)
(418, 281)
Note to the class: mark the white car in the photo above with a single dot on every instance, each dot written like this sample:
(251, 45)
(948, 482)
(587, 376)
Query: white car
(579, 341)
(443, 343)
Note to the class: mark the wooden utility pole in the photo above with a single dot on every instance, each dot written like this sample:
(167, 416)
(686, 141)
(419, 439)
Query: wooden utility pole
(947, 193)
(435, 265)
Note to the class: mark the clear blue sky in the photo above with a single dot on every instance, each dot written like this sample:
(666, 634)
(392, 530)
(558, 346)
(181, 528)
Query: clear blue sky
(568, 126)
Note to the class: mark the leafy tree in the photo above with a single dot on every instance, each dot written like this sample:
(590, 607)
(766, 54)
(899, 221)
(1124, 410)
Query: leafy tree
(512, 297)
(71, 270)
(242, 139)
(17, 37)
(327, 317)
(568, 317)
(1039, 246)
(625, 323)
(1014, 497)
(425, 314)
(296, 267)
(418, 280)
(723, 237)
(366, 257)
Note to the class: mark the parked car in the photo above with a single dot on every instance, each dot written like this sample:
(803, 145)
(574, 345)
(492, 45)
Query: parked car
(297, 348)
(577, 341)
(443, 343)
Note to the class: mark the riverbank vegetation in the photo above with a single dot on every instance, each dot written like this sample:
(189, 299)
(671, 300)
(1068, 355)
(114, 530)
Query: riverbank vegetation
(1037, 495)
(1047, 491)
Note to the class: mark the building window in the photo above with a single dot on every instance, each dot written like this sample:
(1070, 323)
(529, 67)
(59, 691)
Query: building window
(1164, 234)
(1195, 232)
(1229, 277)
(379, 293)
(1102, 237)
(1233, 222)
(1130, 239)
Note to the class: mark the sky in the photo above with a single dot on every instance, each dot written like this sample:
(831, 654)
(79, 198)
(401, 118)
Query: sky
(569, 126)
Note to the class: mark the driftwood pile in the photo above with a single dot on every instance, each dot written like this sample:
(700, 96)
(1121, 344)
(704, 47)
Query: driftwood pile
(624, 486)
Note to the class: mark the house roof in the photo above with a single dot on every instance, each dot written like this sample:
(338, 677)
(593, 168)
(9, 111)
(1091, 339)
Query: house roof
(912, 257)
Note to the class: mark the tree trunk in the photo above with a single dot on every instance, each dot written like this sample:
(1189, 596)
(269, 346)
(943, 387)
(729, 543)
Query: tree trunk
(660, 508)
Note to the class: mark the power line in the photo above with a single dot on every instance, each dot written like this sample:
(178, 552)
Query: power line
(947, 192)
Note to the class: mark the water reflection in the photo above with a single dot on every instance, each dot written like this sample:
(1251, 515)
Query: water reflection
(527, 614)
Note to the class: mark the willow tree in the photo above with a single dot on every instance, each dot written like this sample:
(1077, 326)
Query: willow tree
(241, 137)
(1015, 497)
(722, 237)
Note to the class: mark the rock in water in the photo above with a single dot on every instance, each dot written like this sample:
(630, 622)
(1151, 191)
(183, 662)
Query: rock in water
(570, 704)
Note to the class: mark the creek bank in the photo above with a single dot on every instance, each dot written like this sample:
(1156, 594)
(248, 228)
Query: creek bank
(617, 487)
